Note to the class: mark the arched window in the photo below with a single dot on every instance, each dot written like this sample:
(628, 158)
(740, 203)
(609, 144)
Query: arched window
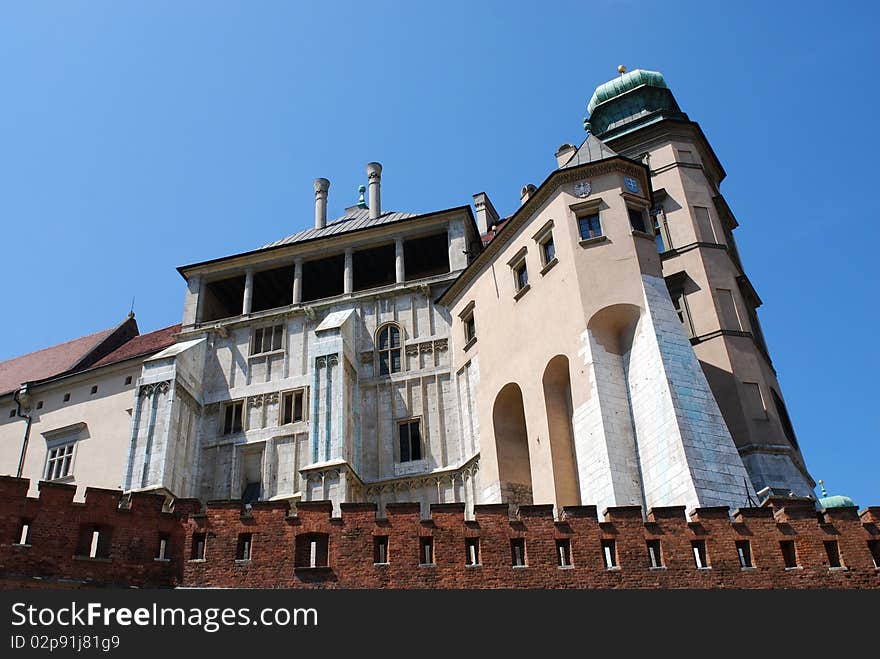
(389, 349)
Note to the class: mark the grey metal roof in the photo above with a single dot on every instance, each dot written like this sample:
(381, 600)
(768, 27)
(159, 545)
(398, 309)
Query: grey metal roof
(591, 150)
(356, 217)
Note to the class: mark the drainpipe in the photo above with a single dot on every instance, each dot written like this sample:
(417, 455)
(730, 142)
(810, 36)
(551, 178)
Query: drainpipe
(17, 396)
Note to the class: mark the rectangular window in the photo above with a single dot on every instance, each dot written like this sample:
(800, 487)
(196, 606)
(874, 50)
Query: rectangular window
(655, 559)
(548, 249)
(292, 406)
(754, 401)
(685, 156)
(410, 441)
(470, 328)
(789, 554)
(426, 550)
(661, 232)
(267, 339)
(11, 413)
(23, 536)
(704, 225)
(609, 554)
(472, 551)
(727, 310)
(162, 554)
(59, 461)
(380, 549)
(518, 552)
(520, 276)
(198, 546)
(232, 417)
(744, 553)
(589, 226)
(679, 303)
(94, 389)
(127, 380)
(637, 219)
(563, 552)
(832, 549)
(874, 548)
(698, 547)
(94, 541)
(243, 549)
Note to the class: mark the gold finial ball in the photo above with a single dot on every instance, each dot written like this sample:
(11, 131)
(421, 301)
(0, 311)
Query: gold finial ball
(621, 69)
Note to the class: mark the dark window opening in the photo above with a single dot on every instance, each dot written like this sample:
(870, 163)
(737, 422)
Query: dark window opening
(292, 407)
(426, 550)
(470, 328)
(66, 398)
(94, 389)
(874, 548)
(609, 554)
(521, 276)
(789, 554)
(380, 549)
(222, 299)
(374, 267)
(94, 541)
(272, 288)
(252, 492)
(40, 404)
(563, 552)
(548, 250)
(426, 257)
(323, 278)
(312, 550)
(410, 441)
(472, 551)
(832, 549)
(658, 233)
(232, 417)
(389, 350)
(637, 219)
(164, 549)
(11, 413)
(589, 226)
(23, 537)
(198, 546)
(243, 548)
(518, 552)
(127, 380)
(744, 553)
(698, 547)
(655, 557)
(267, 339)
(784, 419)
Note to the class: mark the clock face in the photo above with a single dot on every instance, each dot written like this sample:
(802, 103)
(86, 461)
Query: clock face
(631, 184)
(582, 188)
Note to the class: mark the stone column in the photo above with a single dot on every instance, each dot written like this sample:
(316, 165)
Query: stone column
(399, 270)
(348, 276)
(297, 281)
(248, 292)
(191, 303)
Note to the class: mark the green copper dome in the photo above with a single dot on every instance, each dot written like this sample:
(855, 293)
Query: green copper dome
(623, 84)
(836, 501)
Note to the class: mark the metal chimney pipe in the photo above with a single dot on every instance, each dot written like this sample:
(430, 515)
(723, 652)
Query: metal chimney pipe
(374, 176)
(322, 185)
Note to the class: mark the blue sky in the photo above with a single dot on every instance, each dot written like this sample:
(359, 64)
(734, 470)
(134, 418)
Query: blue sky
(137, 137)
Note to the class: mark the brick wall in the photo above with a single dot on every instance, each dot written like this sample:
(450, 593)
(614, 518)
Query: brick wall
(281, 544)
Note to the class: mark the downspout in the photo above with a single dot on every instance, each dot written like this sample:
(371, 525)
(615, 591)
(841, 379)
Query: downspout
(27, 428)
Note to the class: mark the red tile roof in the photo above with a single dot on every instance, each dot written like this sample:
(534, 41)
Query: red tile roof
(84, 353)
(145, 344)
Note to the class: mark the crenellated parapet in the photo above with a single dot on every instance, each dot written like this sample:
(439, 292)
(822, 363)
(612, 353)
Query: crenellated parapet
(787, 544)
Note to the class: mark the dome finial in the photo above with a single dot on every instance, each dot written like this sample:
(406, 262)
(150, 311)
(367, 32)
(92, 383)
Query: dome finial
(621, 69)
(822, 487)
(362, 189)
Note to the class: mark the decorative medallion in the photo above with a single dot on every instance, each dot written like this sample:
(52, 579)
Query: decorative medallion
(582, 188)
(631, 184)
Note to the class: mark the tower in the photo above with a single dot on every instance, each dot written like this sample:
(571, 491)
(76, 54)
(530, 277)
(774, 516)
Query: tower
(637, 116)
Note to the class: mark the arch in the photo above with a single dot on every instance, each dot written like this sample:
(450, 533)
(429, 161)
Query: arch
(389, 348)
(512, 445)
(613, 327)
(557, 402)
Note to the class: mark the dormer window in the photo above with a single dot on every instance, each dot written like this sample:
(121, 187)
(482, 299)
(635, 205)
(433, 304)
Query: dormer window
(388, 347)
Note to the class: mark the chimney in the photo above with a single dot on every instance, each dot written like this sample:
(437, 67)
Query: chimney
(486, 213)
(374, 176)
(564, 154)
(322, 185)
(527, 191)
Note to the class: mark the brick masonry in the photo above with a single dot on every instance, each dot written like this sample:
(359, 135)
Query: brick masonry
(281, 544)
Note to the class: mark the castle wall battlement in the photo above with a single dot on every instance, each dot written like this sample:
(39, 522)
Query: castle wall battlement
(266, 546)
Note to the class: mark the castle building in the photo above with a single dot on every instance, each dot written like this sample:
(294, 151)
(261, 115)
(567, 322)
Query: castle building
(598, 346)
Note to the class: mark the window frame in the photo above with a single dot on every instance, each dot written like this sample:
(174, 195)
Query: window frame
(305, 406)
(379, 351)
(397, 453)
(232, 431)
(643, 215)
(519, 264)
(277, 329)
(543, 237)
(50, 459)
